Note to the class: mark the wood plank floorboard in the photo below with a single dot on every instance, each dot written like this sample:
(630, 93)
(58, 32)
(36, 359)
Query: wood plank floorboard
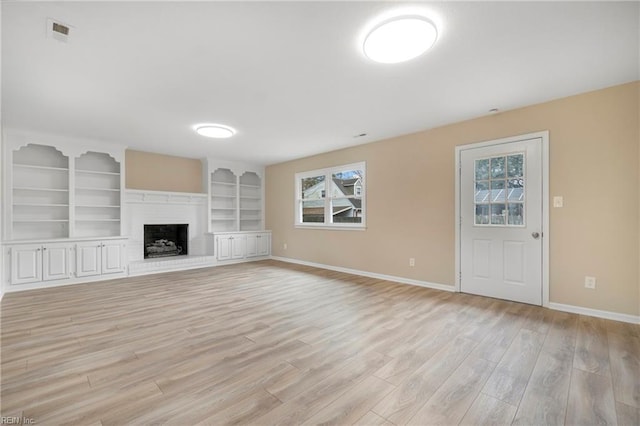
(270, 343)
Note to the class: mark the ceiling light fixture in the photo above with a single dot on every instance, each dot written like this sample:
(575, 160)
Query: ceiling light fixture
(218, 131)
(400, 39)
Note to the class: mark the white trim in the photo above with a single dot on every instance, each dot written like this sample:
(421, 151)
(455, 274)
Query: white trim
(615, 316)
(393, 278)
(170, 264)
(164, 197)
(334, 227)
(267, 231)
(544, 136)
(14, 288)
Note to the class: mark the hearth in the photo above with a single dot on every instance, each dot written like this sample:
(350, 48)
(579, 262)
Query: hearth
(166, 240)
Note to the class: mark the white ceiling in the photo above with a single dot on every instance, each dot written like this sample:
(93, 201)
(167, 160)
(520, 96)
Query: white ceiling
(290, 76)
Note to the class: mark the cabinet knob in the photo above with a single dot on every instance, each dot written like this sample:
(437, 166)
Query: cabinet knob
(44, 249)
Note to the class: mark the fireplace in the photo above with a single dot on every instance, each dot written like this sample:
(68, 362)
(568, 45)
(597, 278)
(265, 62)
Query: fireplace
(166, 240)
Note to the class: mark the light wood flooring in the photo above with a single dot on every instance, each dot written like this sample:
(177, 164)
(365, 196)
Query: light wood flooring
(270, 343)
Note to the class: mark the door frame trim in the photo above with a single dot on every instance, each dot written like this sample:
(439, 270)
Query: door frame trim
(544, 136)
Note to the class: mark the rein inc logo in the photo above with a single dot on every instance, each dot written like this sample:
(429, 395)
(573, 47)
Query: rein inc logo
(16, 420)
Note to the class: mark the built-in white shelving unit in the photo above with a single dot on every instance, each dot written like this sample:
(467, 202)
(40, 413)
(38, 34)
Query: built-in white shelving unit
(236, 199)
(62, 201)
(250, 191)
(236, 207)
(97, 195)
(40, 193)
(224, 200)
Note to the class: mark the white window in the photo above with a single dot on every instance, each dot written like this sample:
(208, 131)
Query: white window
(332, 197)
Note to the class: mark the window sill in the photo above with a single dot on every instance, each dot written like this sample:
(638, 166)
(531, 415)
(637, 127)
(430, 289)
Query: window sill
(333, 227)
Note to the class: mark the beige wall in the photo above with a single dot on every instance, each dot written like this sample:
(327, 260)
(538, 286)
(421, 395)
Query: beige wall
(157, 172)
(594, 163)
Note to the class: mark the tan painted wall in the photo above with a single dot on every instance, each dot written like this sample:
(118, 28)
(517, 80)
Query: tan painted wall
(594, 163)
(157, 172)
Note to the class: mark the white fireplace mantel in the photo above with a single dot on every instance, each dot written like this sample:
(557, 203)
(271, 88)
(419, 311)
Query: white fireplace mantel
(163, 197)
(160, 207)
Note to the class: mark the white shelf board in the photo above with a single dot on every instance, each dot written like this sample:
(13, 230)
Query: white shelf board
(85, 188)
(30, 166)
(92, 172)
(39, 205)
(26, 188)
(39, 220)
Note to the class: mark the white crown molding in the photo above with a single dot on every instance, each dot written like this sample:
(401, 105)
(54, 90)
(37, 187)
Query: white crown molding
(393, 278)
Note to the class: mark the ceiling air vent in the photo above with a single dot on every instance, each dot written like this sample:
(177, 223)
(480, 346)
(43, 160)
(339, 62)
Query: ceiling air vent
(58, 31)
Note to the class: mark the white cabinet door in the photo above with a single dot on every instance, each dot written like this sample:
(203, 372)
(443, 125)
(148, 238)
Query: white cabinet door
(264, 244)
(55, 261)
(238, 247)
(223, 251)
(26, 264)
(252, 245)
(112, 257)
(88, 259)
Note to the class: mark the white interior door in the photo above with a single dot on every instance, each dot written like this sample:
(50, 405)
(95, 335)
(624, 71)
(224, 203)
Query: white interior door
(501, 221)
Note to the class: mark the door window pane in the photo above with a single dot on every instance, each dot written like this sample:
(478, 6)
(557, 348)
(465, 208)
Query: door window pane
(498, 214)
(499, 190)
(482, 214)
(515, 165)
(482, 169)
(497, 167)
(516, 214)
(482, 192)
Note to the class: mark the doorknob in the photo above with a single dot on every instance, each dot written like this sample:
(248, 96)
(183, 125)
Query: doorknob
(535, 235)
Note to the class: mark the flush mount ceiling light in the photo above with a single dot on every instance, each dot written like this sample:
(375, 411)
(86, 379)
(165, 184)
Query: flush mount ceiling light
(218, 131)
(400, 39)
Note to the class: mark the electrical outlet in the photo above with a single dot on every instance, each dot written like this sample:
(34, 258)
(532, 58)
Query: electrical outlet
(590, 282)
(284, 246)
(412, 261)
(558, 201)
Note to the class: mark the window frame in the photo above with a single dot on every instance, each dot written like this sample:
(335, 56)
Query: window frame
(328, 179)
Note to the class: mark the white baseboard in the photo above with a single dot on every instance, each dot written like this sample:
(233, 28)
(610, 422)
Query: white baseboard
(615, 316)
(59, 283)
(368, 274)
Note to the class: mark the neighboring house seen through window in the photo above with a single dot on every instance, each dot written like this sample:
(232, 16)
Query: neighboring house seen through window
(331, 197)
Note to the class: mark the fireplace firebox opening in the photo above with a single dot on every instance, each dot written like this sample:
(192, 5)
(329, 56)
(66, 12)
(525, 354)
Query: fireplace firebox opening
(166, 240)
